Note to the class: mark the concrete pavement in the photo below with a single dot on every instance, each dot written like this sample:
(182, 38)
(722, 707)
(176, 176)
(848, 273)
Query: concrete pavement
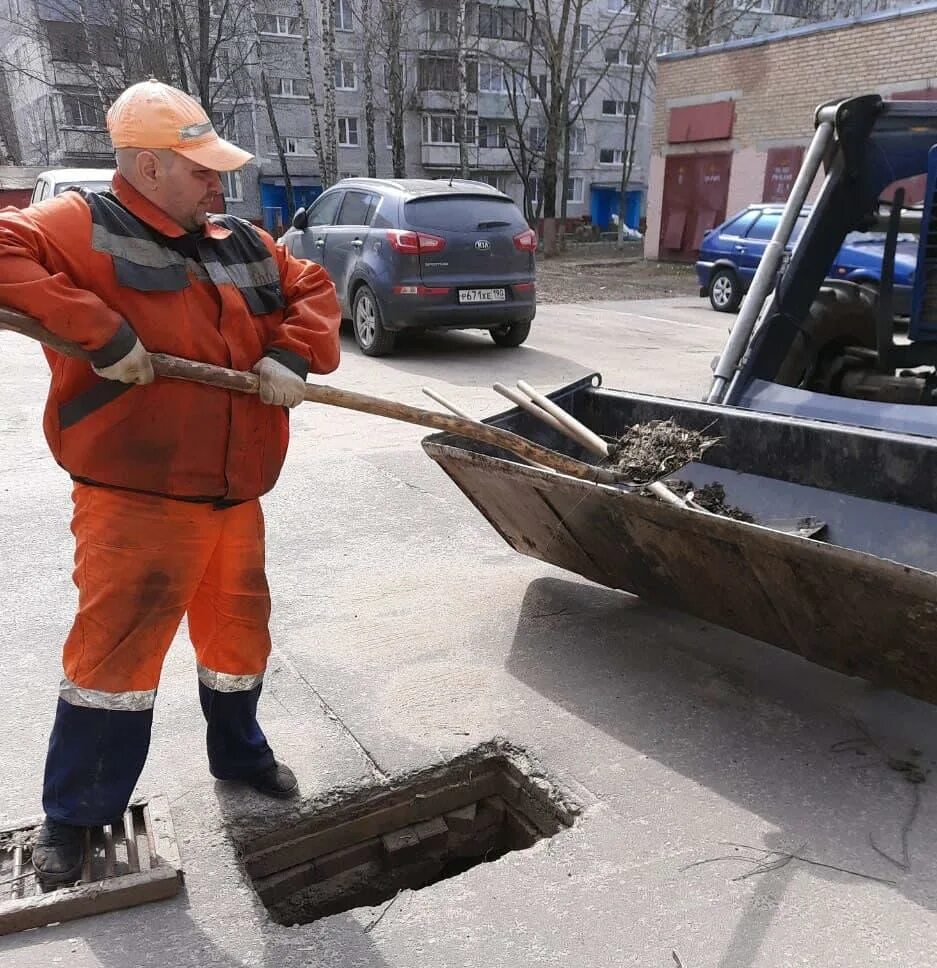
(406, 632)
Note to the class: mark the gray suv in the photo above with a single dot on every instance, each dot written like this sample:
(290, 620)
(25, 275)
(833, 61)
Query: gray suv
(422, 254)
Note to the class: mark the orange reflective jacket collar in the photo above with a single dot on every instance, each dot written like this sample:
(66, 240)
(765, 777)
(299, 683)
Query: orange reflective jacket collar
(154, 216)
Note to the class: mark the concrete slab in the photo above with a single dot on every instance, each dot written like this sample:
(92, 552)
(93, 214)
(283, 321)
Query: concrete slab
(406, 632)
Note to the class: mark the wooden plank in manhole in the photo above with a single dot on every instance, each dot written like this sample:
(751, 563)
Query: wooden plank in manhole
(128, 864)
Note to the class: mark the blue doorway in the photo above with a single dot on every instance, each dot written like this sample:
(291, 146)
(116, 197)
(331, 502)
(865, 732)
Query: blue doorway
(276, 214)
(604, 204)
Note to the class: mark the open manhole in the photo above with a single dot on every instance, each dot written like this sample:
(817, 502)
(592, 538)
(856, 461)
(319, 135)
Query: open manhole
(437, 826)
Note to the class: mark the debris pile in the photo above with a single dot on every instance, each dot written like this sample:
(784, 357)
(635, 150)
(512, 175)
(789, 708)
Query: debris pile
(711, 497)
(650, 451)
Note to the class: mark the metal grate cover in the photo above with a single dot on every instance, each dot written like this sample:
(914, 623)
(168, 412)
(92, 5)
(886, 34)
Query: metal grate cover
(126, 865)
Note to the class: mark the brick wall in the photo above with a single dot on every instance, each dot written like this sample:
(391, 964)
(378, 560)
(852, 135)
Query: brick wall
(783, 81)
(776, 85)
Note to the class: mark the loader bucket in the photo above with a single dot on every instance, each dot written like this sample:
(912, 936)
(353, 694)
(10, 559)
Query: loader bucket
(861, 599)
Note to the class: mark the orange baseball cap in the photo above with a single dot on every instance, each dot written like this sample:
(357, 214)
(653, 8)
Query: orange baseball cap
(154, 115)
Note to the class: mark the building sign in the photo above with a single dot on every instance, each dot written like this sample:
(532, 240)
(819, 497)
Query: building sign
(781, 170)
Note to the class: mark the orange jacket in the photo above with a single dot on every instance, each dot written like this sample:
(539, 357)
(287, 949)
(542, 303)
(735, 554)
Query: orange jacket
(86, 268)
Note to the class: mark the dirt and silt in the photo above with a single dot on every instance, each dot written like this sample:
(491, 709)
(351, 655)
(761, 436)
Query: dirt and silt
(651, 451)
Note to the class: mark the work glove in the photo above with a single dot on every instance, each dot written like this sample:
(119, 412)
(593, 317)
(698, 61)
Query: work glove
(135, 367)
(279, 385)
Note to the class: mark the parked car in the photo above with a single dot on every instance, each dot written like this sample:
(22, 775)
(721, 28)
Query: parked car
(731, 252)
(54, 182)
(422, 254)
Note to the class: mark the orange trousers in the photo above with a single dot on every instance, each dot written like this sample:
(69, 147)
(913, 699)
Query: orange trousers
(143, 562)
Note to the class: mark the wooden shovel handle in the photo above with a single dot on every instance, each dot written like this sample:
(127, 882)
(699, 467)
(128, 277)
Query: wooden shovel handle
(176, 368)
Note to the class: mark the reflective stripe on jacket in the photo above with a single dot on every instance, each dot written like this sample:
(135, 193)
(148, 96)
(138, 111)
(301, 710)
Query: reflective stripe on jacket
(100, 268)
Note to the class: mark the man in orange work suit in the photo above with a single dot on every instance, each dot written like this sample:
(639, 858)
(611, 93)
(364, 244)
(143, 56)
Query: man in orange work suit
(167, 474)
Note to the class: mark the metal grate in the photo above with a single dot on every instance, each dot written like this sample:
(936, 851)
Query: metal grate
(131, 863)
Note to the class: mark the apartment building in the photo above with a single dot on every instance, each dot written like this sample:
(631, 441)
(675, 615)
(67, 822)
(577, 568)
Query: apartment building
(52, 101)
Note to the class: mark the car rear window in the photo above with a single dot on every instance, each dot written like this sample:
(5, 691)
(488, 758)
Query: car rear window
(463, 213)
(92, 186)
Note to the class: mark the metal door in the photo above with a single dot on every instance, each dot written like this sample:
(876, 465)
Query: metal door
(696, 188)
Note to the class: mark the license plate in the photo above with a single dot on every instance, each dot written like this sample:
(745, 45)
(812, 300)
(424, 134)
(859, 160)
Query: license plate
(481, 295)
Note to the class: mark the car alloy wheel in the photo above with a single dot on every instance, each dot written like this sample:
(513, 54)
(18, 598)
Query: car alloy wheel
(368, 321)
(365, 320)
(724, 292)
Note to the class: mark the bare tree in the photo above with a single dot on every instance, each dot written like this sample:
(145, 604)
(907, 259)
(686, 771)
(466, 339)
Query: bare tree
(367, 24)
(278, 142)
(329, 161)
(312, 89)
(559, 45)
(396, 14)
(462, 83)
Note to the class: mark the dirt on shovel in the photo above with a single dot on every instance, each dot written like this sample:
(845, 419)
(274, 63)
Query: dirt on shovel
(651, 451)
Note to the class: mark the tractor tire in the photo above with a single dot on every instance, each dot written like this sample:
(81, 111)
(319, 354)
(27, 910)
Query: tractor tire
(840, 316)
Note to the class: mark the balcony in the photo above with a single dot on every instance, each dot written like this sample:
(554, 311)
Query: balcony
(88, 144)
(441, 156)
(447, 156)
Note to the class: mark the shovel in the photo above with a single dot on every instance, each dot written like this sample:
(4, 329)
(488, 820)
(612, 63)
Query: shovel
(176, 368)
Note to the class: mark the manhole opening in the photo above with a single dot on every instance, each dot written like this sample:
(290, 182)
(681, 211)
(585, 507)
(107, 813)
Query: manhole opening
(411, 837)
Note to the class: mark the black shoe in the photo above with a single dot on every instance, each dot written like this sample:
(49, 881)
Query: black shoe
(276, 781)
(59, 853)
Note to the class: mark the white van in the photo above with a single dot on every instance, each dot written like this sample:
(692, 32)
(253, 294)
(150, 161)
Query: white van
(55, 181)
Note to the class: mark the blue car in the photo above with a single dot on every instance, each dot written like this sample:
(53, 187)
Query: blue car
(731, 252)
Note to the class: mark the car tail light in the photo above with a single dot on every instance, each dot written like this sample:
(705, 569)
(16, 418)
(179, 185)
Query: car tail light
(419, 291)
(526, 241)
(414, 243)
(524, 286)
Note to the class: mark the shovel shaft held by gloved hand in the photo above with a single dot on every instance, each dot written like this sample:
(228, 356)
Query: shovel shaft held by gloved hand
(176, 368)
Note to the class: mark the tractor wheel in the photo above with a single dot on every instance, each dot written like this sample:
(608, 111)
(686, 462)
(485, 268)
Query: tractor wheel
(839, 317)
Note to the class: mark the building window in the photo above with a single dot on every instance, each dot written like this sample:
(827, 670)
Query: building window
(441, 129)
(538, 87)
(348, 132)
(754, 6)
(574, 190)
(618, 6)
(492, 134)
(345, 79)
(386, 76)
(83, 111)
(289, 87)
(491, 78)
(611, 156)
(495, 179)
(440, 21)
(233, 188)
(536, 138)
(343, 16)
(535, 190)
(220, 66)
(441, 74)
(666, 44)
(281, 26)
(619, 109)
(389, 132)
(581, 37)
(618, 57)
(504, 23)
(579, 90)
(224, 124)
(577, 140)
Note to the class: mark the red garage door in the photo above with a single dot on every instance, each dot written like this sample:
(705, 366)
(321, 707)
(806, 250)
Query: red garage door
(696, 188)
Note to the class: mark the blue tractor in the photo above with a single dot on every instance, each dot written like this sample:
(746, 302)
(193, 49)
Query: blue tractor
(826, 425)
